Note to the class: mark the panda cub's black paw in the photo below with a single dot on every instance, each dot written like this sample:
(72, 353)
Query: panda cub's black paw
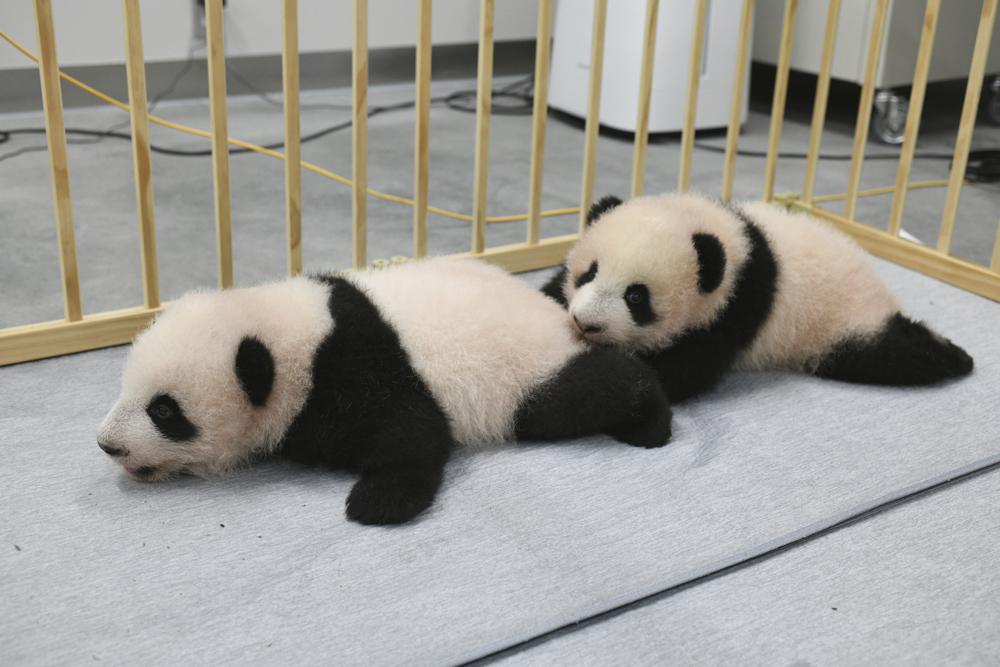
(390, 498)
(654, 432)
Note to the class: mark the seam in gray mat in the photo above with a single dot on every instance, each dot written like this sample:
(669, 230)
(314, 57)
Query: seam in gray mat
(755, 555)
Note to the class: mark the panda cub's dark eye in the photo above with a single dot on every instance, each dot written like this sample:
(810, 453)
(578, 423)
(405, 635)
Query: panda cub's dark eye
(635, 296)
(587, 276)
(169, 419)
(639, 307)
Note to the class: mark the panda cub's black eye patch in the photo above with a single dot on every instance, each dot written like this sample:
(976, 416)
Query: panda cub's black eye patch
(169, 419)
(637, 300)
(587, 276)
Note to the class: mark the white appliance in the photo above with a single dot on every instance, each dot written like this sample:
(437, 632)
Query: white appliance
(570, 74)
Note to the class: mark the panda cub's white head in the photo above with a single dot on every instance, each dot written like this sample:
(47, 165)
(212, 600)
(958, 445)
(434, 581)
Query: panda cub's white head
(650, 269)
(216, 379)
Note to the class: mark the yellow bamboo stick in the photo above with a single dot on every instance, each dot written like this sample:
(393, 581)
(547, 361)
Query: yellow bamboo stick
(220, 143)
(995, 262)
(543, 41)
(913, 116)
(593, 123)
(293, 145)
(694, 78)
(865, 107)
(822, 93)
(645, 96)
(135, 68)
(967, 124)
(780, 94)
(736, 108)
(484, 106)
(55, 132)
(421, 130)
(359, 134)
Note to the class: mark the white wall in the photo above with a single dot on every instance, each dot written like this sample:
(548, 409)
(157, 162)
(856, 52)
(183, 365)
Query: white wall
(89, 32)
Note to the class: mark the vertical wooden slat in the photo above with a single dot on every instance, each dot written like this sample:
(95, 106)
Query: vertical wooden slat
(293, 145)
(694, 78)
(778, 101)
(421, 131)
(543, 42)
(736, 108)
(819, 104)
(220, 140)
(484, 105)
(865, 107)
(359, 134)
(645, 96)
(593, 109)
(967, 124)
(135, 68)
(995, 262)
(913, 116)
(55, 132)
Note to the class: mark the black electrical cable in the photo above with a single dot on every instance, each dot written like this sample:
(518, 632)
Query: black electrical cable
(516, 99)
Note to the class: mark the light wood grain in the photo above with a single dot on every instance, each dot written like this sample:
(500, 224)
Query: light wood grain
(293, 137)
(931, 262)
(995, 262)
(736, 105)
(518, 257)
(543, 42)
(863, 121)
(359, 134)
(55, 132)
(967, 124)
(691, 112)
(822, 94)
(645, 97)
(421, 130)
(484, 107)
(780, 95)
(135, 69)
(593, 122)
(220, 140)
(913, 116)
(50, 339)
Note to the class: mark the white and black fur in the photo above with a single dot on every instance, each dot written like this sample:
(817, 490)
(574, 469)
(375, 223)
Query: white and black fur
(694, 288)
(379, 372)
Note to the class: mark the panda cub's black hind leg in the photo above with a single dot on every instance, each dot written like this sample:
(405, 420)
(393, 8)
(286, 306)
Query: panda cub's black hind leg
(904, 353)
(598, 391)
(400, 476)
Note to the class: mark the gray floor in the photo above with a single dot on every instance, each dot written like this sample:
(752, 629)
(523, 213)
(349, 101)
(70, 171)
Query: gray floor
(104, 203)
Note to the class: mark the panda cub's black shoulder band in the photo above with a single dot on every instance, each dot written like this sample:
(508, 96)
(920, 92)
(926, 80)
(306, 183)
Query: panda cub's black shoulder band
(698, 359)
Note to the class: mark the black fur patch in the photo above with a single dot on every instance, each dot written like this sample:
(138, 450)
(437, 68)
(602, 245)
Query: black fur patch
(639, 306)
(600, 390)
(169, 419)
(698, 359)
(711, 262)
(371, 412)
(587, 275)
(255, 370)
(554, 287)
(903, 353)
(602, 206)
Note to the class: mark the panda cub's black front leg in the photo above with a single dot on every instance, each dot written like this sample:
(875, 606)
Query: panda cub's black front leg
(598, 391)
(400, 476)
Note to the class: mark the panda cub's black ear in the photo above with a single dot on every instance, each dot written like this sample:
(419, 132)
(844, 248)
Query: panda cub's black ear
(711, 262)
(602, 206)
(255, 370)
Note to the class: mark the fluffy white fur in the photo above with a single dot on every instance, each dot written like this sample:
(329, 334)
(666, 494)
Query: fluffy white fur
(826, 288)
(478, 336)
(189, 352)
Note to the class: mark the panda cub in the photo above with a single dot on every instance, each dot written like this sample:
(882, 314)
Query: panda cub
(695, 288)
(379, 372)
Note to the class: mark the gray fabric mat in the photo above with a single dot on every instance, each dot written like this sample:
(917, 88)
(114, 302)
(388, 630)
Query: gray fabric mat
(914, 586)
(263, 566)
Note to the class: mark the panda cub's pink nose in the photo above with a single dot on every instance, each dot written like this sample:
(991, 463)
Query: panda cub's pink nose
(587, 328)
(112, 451)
